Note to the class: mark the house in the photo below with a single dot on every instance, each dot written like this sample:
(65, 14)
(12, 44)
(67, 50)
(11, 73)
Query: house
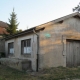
(3, 31)
(3, 27)
(52, 44)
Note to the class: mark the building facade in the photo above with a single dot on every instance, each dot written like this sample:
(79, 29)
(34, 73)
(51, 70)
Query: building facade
(55, 43)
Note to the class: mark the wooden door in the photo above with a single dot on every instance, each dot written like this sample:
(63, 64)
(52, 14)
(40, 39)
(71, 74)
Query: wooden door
(73, 53)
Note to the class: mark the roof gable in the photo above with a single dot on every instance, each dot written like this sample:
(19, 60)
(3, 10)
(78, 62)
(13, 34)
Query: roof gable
(60, 19)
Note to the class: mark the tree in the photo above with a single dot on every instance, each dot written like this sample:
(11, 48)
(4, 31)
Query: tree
(20, 30)
(77, 8)
(13, 24)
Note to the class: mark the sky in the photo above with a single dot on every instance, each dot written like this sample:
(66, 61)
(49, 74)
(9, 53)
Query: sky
(31, 13)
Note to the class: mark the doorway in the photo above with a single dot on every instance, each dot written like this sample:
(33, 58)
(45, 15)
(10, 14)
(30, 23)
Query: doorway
(72, 53)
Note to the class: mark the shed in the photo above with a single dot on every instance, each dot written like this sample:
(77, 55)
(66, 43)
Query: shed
(52, 44)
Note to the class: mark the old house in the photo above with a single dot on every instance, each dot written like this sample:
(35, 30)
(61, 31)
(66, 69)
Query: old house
(3, 27)
(3, 31)
(52, 44)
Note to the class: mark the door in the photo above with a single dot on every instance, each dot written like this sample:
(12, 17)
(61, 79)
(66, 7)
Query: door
(73, 53)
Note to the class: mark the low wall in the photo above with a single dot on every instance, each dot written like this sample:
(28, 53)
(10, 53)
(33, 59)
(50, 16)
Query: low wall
(20, 64)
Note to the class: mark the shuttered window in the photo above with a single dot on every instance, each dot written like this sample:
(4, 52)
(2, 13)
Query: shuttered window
(11, 48)
(26, 46)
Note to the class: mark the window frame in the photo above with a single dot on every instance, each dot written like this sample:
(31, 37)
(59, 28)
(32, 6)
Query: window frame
(9, 47)
(26, 46)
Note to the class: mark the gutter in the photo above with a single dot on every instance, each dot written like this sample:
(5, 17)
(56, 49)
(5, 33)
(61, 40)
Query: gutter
(37, 60)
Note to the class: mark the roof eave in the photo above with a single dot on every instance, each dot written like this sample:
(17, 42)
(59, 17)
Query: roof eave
(23, 33)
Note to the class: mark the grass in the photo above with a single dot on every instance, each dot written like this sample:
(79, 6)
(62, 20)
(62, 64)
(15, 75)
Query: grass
(59, 73)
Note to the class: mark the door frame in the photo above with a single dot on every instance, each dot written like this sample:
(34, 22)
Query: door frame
(64, 38)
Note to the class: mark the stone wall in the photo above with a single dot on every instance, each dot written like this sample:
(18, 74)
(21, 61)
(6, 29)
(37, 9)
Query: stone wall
(20, 64)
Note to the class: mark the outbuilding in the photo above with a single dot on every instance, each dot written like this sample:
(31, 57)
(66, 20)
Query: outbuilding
(52, 44)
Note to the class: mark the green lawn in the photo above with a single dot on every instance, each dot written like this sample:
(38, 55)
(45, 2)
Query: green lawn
(59, 73)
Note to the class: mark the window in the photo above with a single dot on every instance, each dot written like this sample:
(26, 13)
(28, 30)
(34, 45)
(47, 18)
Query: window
(26, 46)
(11, 48)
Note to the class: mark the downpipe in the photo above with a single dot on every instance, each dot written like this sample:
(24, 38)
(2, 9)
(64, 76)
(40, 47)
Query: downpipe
(37, 60)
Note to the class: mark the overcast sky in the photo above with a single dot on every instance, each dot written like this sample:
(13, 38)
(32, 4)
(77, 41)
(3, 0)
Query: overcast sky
(31, 13)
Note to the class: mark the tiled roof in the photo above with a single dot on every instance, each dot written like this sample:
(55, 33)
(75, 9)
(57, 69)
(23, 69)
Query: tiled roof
(3, 25)
(3, 31)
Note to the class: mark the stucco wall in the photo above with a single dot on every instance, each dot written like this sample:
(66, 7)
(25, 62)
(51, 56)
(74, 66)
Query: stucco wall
(17, 49)
(53, 46)
(52, 43)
